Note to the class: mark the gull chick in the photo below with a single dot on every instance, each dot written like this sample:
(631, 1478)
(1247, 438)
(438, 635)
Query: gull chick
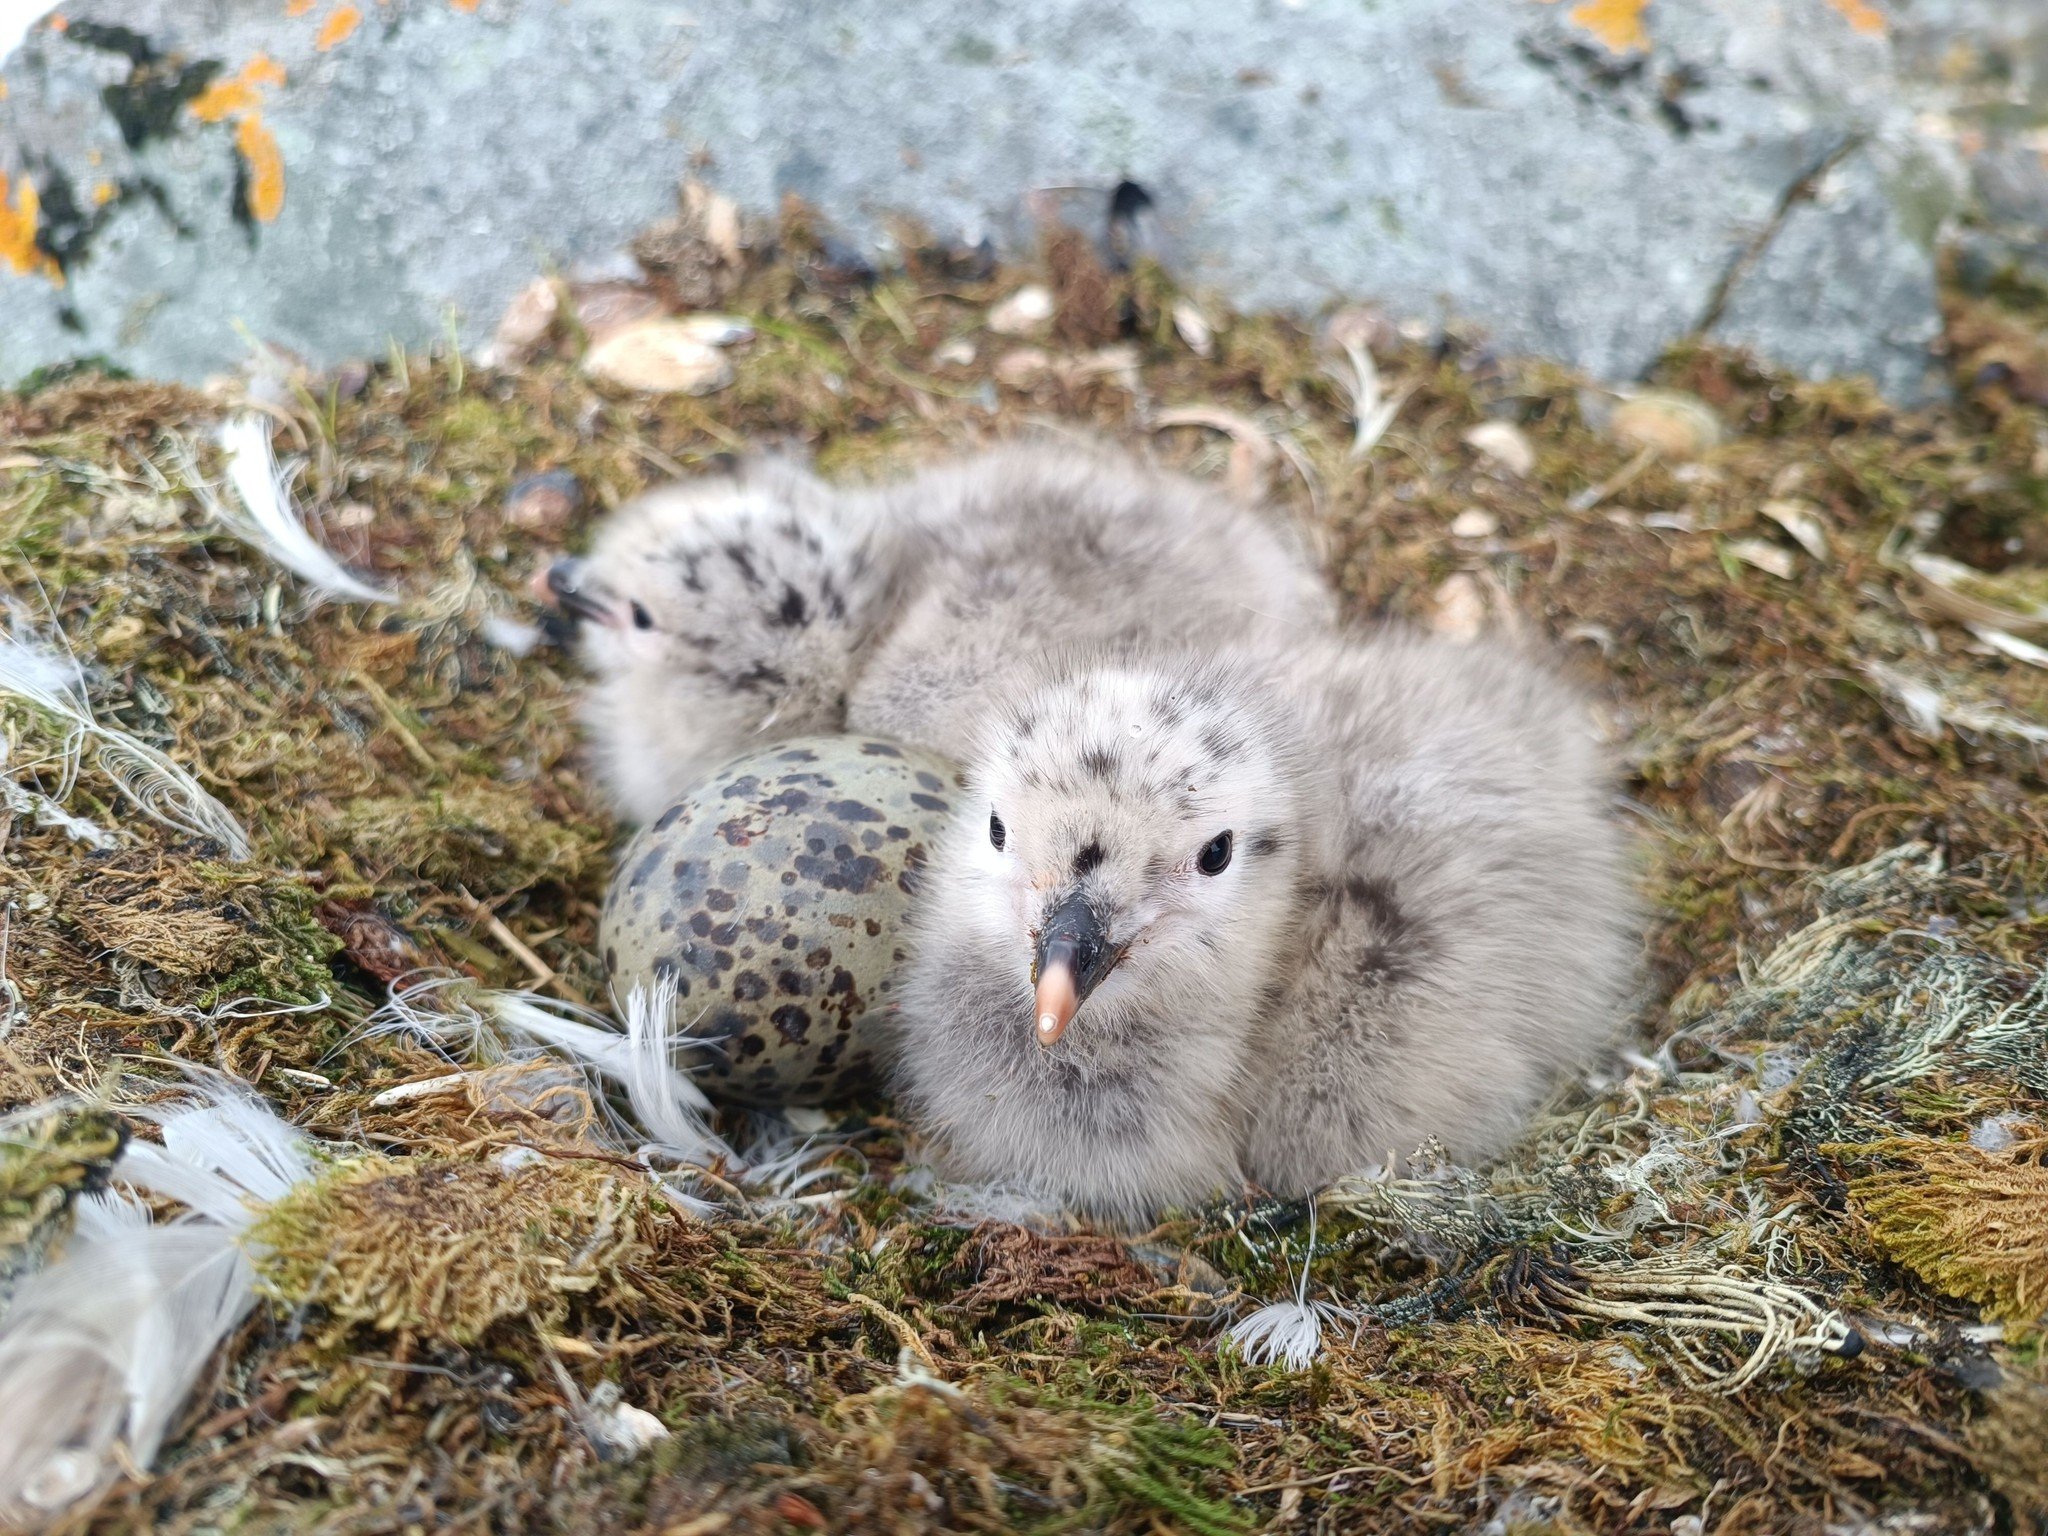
(1275, 915)
(719, 614)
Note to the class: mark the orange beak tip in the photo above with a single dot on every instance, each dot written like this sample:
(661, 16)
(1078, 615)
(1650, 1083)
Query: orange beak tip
(1056, 1003)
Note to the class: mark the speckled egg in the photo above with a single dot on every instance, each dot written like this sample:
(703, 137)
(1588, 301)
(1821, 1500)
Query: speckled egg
(777, 895)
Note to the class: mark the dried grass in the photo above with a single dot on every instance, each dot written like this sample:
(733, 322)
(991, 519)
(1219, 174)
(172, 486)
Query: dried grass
(1839, 787)
(1973, 1224)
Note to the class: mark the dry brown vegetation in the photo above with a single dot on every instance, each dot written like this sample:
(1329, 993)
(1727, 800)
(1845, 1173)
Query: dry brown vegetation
(1843, 1071)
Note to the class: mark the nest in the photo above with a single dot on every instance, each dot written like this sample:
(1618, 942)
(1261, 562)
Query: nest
(1781, 1269)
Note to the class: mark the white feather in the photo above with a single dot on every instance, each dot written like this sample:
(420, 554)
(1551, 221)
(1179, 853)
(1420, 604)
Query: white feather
(671, 1108)
(1289, 1332)
(579, 1034)
(102, 1346)
(268, 518)
(475, 1024)
(23, 801)
(158, 787)
(438, 1009)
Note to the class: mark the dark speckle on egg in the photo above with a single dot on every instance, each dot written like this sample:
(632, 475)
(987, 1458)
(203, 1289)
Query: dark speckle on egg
(790, 872)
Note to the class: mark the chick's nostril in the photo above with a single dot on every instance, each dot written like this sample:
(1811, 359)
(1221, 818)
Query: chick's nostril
(564, 577)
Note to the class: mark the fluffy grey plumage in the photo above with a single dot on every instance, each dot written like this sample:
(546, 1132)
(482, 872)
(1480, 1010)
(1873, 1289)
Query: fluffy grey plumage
(725, 612)
(1422, 918)
(1239, 898)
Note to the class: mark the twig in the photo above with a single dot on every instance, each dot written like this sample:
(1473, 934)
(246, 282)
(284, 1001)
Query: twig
(544, 975)
(1593, 495)
(414, 747)
(905, 1334)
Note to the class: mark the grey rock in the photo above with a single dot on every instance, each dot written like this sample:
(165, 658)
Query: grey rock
(1843, 285)
(1488, 159)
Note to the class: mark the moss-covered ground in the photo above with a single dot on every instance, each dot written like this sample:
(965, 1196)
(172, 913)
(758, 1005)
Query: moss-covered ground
(1839, 1082)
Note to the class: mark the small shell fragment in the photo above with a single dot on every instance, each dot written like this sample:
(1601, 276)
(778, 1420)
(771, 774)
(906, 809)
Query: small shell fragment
(606, 307)
(1799, 519)
(1022, 367)
(1472, 523)
(524, 325)
(1023, 311)
(1193, 327)
(717, 330)
(1765, 556)
(1677, 425)
(658, 356)
(1460, 608)
(1952, 590)
(1504, 445)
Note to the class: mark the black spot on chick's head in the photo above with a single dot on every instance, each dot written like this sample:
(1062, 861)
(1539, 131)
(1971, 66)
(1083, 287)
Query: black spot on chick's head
(1220, 744)
(1088, 860)
(794, 612)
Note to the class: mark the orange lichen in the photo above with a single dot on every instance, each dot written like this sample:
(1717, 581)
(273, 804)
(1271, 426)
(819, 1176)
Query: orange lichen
(18, 223)
(299, 7)
(1617, 23)
(102, 193)
(59, 22)
(239, 93)
(464, 5)
(340, 22)
(1863, 16)
(266, 168)
(239, 97)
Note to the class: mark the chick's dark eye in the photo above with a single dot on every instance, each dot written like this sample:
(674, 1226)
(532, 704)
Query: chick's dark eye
(997, 833)
(642, 619)
(1215, 855)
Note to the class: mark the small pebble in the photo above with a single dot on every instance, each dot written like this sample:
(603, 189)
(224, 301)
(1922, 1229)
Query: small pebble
(1474, 524)
(544, 503)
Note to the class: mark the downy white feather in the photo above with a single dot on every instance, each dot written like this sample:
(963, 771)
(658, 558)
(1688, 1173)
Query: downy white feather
(470, 1024)
(671, 1108)
(154, 784)
(103, 1345)
(268, 518)
(1288, 1332)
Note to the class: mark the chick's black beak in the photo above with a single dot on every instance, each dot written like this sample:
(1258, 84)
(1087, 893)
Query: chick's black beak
(1074, 954)
(563, 584)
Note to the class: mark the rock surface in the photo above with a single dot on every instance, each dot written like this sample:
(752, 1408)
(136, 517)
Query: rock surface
(1590, 181)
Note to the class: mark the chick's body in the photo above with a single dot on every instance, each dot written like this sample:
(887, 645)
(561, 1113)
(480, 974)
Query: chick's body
(1234, 895)
(732, 611)
(1420, 919)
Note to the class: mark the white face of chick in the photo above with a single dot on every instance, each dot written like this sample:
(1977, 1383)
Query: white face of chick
(708, 612)
(1139, 853)
(676, 575)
